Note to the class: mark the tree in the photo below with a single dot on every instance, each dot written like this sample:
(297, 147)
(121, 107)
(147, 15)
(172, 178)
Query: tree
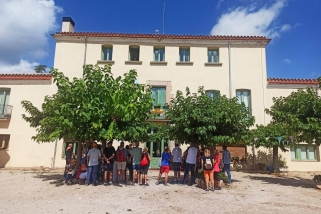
(40, 68)
(200, 119)
(93, 108)
(271, 136)
(300, 114)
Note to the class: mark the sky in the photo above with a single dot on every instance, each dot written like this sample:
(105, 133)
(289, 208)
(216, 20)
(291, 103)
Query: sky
(293, 25)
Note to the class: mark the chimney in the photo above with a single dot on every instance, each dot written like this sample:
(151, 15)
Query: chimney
(68, 25)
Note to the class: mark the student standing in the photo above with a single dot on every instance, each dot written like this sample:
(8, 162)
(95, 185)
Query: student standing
(217, 163)
(207, 162)
(108, 154)
(227, 162)
(92, 162)
(144, 165)
(177, 160)
(136, 155)
(191, 154)
(166, 157)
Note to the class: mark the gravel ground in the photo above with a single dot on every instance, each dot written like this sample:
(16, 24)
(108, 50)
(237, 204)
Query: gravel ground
(37, 191)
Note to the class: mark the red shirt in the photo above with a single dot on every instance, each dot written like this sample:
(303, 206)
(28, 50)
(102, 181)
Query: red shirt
(217, 163)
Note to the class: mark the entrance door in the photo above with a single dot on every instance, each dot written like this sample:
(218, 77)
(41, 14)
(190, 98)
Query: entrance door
(155, 150)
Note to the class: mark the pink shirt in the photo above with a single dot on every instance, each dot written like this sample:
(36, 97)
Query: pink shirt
(217, 164)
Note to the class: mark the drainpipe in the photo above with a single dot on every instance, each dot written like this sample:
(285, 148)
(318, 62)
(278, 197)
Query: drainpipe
(54, 157)
(85, 55)
(229, 67)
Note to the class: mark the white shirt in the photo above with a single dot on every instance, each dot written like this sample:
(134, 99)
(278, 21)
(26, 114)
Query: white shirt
(94, 155)
(177, 155)
(191, 155)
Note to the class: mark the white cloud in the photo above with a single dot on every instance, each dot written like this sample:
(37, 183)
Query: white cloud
(287, 61)
(251, 22)
(219, 3)
(285, 27)
(23, 67)
(24, 31)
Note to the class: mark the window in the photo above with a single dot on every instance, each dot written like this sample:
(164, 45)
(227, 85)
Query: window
(4, 101)
(159, 54)
(304, 153)
(159, 96)
(133, 53)
(244, 96)
(4, 141)
(212, 94)
(65, 145)
(212, 55)
(107, 53)
(184, 55)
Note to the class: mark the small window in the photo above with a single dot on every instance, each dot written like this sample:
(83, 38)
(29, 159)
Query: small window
(212, 55)
(159, 54)
(184, 54)
(304, 152)
(159, 96)
(5, 109)
(107, 53)
(244, 96)
(74, 148)
(212, 94)
(133, 53)
(4, 141)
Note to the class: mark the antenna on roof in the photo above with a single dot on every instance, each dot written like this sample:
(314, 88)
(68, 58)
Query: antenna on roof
(163, 17)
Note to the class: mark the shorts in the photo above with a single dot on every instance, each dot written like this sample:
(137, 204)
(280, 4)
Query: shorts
(121, 165)
(144, 169)
(108, 167)
(164, 169)
(177, 166)
(217, 176)
(208, 174)
(136, 167)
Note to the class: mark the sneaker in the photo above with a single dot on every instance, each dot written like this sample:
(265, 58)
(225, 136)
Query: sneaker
(87, 184)
(147, 184)
(166, 184)
(190, 184)
(217, 188)
(95, 184)
(141, 184)
(69, 183)
(157, 183)
(106, 183)
(206, 189)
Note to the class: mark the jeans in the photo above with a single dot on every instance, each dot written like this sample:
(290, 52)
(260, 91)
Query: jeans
(69, 176)
(228, 171)
(89, 171)
(189, 167)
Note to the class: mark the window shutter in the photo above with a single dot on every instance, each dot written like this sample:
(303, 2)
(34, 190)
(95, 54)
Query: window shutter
(154, 96)
(161, 96)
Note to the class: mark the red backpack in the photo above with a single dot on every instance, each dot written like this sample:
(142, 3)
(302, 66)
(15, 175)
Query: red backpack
(120, 155)
(144, 161)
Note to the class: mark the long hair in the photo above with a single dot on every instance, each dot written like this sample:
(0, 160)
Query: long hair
(207, 153)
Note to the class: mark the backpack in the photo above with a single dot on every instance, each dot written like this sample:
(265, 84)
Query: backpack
(208, 164)
(120, 155)
(144, 161)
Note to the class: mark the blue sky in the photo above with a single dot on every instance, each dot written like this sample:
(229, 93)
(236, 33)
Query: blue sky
(295, 51)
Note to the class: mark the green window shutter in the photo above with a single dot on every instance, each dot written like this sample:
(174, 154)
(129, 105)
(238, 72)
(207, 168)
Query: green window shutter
(155, 96)
(298, 153)
(161, 96)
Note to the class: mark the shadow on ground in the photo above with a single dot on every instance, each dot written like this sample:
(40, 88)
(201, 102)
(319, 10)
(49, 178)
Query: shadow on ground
(56, 179)
(284, 181)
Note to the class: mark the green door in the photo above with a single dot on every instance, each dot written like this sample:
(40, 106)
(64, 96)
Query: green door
(155, 150)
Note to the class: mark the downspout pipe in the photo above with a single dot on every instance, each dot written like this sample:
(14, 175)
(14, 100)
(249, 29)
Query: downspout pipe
(229, 67)
(85, 55)
(54, 157)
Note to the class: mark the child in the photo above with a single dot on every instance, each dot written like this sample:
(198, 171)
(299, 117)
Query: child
(70, 171)
(165, 166)
(144, 165)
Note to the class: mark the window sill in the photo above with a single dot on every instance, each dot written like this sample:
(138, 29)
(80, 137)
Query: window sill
(305, 161)
(134, 62)
(184, 63)
(158, 63)
(106, 62)
(213, 64)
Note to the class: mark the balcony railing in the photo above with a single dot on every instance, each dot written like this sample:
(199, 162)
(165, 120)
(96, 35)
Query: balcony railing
(159, 113)
(5, 111)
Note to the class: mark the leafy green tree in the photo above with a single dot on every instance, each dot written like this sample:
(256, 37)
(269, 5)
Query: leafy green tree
(200, 119)
(300, 114)
(93, 108)
(272, 136)
(40, 69)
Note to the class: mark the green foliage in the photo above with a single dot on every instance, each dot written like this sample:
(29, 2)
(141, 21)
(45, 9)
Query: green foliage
(95, 107)
(198, 118)
(223, 177)
(300, 114)
(40, 69)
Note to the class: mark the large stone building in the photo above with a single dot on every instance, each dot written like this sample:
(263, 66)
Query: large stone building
(230, 65)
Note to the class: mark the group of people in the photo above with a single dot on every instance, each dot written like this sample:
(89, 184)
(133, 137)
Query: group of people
(113, 164)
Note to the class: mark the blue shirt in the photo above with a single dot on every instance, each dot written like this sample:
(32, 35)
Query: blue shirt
(226, 157)
(165, 159)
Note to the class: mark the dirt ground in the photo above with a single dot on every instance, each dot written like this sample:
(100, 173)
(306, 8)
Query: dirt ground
(35, 191)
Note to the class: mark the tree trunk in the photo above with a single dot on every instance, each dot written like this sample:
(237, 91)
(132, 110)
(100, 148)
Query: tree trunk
(79, 154)
(276, 158)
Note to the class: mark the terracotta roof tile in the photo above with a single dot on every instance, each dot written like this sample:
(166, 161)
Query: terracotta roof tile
(292, 81)
(25, 77)
(165, 36)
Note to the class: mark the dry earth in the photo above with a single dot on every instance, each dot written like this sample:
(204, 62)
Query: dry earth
(41, 191)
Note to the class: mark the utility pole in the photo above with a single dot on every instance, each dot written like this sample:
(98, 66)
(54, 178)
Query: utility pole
(164, 18)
